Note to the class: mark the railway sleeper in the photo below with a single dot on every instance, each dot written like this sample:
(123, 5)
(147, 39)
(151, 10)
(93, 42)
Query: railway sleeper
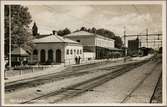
(79, 89)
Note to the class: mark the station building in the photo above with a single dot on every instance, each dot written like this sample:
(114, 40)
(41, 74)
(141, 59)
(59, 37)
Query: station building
(94, 45)
(55, 49)
(133, 46)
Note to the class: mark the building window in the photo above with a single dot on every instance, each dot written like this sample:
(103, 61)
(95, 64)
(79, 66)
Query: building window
(74, 51)
(80, 51)
(67, 51)
(77, 51)
(42, 56)
(35, 52)
(50, 56)
(78, 40)
(71, 51)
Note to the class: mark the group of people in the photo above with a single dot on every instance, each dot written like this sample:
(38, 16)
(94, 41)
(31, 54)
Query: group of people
(77, 59)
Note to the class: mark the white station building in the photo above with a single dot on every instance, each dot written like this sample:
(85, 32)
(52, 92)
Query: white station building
(56, 49)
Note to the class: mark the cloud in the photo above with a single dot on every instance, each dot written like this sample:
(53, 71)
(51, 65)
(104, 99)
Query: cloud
(51, 18)
(109, 17)
(79, 11)
(134, 23)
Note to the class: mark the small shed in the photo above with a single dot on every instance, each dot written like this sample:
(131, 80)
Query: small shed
(19, 56)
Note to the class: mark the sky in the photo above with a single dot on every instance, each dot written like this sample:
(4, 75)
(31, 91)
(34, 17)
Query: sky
(134, 18)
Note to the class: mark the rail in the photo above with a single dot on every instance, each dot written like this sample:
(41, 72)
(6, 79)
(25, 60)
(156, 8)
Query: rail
(76, 89)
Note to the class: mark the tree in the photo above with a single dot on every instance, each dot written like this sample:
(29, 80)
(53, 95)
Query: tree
(111, 35)
(66, 31)
(160, 50)
(35, 30)
(20, 32)
(93, 30)
(118, 42)
(63, 32)
(83, 29)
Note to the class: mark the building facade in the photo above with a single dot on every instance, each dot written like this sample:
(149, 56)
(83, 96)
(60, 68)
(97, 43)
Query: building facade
(55, 49)
(100, 46)
(133, 47)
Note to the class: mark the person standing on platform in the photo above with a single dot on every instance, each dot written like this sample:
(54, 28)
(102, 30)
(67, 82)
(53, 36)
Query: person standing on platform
(79, 58)
(76, 60)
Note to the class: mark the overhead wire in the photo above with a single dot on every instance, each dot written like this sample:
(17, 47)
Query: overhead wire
(51, 9)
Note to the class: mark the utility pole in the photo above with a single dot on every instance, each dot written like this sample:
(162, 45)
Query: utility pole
(138, 41)
(125, 43)
(125, 39)
(9, 59)
(160, 42)
(147, 37)
(154, 43)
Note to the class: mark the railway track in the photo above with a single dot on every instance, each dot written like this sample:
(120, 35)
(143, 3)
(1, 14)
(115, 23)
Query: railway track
(87, 85)
(34, 82)
(130, 94)
(157, 94)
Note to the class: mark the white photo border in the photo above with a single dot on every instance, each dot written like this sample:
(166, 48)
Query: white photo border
(163, 3)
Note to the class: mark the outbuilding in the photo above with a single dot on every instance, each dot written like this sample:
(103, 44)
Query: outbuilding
(19, 56)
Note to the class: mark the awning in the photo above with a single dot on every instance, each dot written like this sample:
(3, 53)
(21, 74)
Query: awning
(19, 52)
(115, 49)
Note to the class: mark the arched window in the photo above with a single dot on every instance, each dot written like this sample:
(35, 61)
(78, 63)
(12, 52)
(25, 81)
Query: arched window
(67, 51)
(77, 51)
(35, 52)
(71, 51)
(58, 56)
(42, 57)
(50, 56)
(74, 51)
(80, 51)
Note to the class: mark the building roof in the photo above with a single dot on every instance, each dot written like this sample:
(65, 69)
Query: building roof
(54, 39)
(115, 49)
(84, 33)
(80, 33)
(41, 36)
(19, 51)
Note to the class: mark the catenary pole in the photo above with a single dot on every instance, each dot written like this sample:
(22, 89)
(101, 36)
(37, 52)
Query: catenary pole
(147, 37)
(125, 43)
(125, 39)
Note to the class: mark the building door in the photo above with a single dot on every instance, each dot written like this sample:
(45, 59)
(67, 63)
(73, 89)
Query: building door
(58, 56)
(50, 56)
(35, 55)
(42, 56)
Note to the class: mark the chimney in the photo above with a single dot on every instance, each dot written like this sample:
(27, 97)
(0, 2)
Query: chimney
(54, 32)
